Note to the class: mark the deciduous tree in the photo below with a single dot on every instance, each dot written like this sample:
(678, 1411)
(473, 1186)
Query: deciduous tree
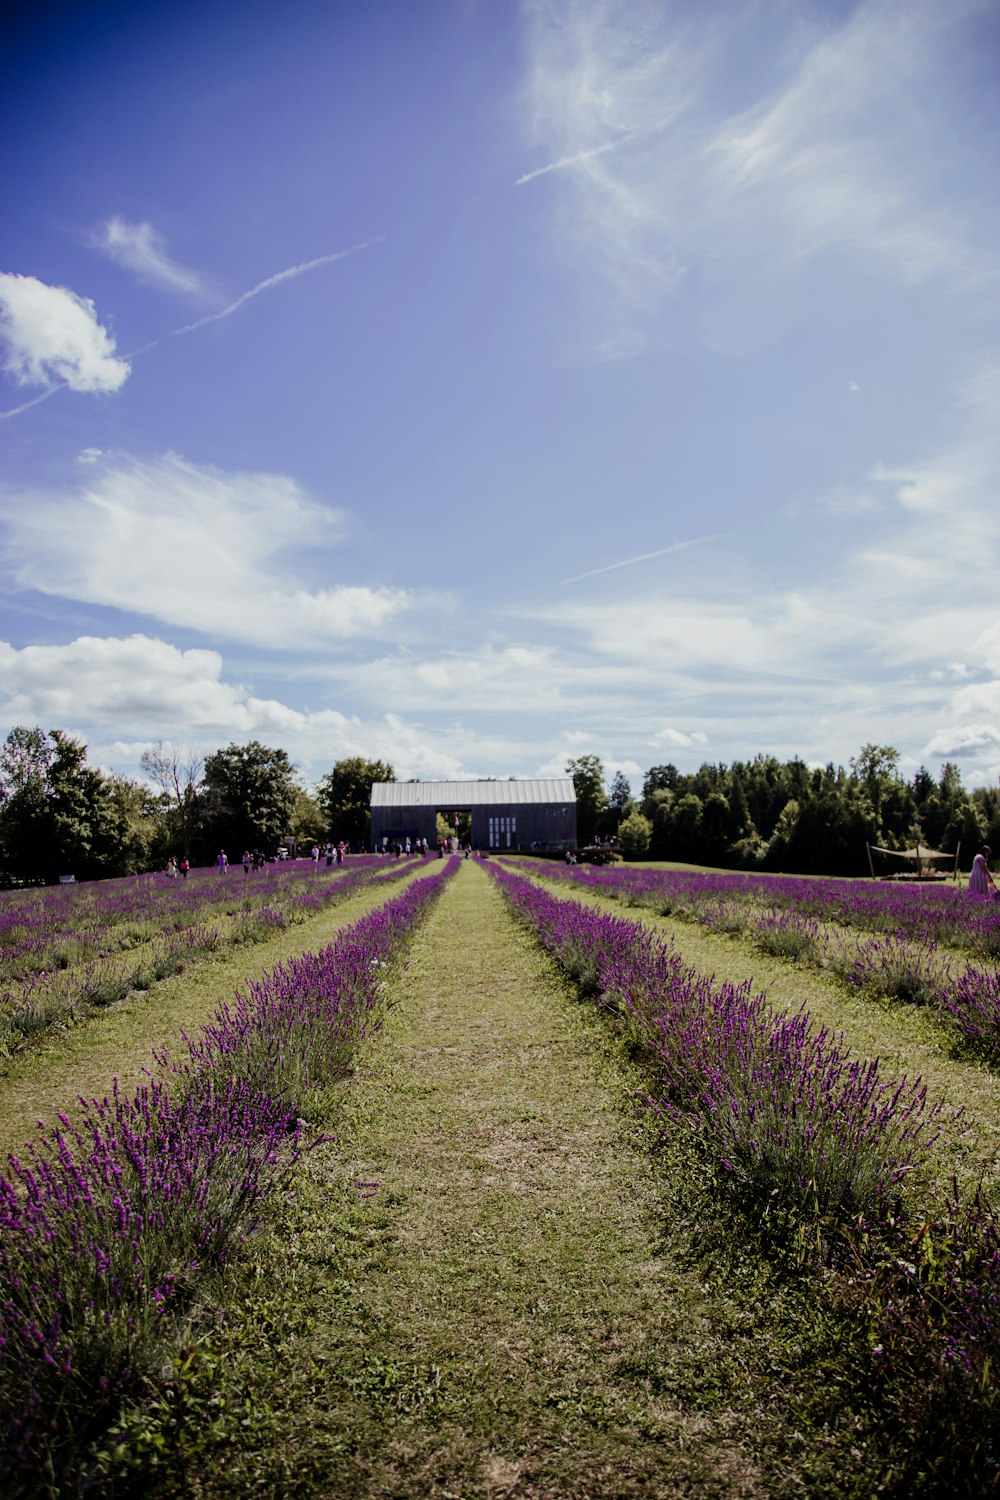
(253, 792)
(345, 795)
(587, 772)
(634, 833)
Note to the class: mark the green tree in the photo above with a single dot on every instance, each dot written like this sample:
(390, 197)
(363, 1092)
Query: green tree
(634, 833)
(252, 790)
(59, 816)
(716, 827)
(620, 798)
(783, 835)
(830, 834)
(25, 815)
(660, 779)
(309, 822)
(876, 768)
(139, 837)
(345, 795)
(947, 815)
(967, 827)
(685, 827)
(587, 772)
(986, 800)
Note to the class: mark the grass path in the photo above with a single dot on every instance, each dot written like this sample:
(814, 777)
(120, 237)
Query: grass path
(908, 1038)
(474, 1292)
(118, 1041)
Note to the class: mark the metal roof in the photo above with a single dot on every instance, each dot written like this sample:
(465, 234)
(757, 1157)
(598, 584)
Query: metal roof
(456, 794)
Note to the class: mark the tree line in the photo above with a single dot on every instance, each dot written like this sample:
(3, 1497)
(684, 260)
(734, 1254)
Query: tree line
(60, 816)
(785, 815)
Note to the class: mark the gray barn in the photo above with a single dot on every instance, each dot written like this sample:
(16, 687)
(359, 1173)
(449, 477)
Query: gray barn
(529, 814)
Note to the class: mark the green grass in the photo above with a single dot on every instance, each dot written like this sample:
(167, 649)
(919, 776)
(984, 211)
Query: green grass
(486, 1286)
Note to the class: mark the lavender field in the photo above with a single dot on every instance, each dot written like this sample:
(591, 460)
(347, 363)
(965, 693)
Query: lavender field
(498, 1193)
(67, 949)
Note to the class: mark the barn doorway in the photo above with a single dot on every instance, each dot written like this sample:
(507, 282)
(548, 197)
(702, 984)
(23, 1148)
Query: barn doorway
(454, 823)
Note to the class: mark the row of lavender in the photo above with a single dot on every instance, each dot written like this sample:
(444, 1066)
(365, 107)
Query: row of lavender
(58, 926)
(182, 921)
(818, 1149)
(111, 1225)
(842, 926)
(944, 915)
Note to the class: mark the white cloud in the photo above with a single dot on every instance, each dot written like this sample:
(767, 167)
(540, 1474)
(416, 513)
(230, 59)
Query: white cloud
(195, 547)
(836, 149)
(964, 740)
(140, 249)
(53, 335)
(679, 738)
(123, 695)
(535, 678)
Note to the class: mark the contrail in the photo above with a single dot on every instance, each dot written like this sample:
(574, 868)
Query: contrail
(255, 291)
(289, 275)
(698, 541)
(15, 411)
(569, 161)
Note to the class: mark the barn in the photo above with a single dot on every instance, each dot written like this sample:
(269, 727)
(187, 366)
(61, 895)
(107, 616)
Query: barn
(536, 813)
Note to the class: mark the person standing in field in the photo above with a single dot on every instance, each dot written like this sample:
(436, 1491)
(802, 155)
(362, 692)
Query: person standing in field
(980, 879)
(247, 862)
(184, 866)
(221, 862)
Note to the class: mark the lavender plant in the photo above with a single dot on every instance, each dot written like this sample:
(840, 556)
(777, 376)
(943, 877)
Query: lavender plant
(795, 1126)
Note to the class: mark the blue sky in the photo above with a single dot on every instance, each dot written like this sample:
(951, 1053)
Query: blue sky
(479, 385)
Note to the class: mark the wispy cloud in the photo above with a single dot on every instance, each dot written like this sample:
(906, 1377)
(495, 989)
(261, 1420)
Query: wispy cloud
(195, 547)
(837, 151)
(836, 146)
(628, 562)
(140, 249)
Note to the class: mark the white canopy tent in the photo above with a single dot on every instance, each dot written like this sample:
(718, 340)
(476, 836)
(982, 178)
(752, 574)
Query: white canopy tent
(922, 857)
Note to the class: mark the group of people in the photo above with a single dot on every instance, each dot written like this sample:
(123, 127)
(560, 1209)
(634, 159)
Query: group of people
(175, 867)
(250, 862)
(331, 852)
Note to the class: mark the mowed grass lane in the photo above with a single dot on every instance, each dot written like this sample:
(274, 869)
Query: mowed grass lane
(84, 1058)
(480, 1289)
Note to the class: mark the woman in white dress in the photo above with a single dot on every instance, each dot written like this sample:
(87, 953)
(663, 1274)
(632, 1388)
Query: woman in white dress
(980, 879)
